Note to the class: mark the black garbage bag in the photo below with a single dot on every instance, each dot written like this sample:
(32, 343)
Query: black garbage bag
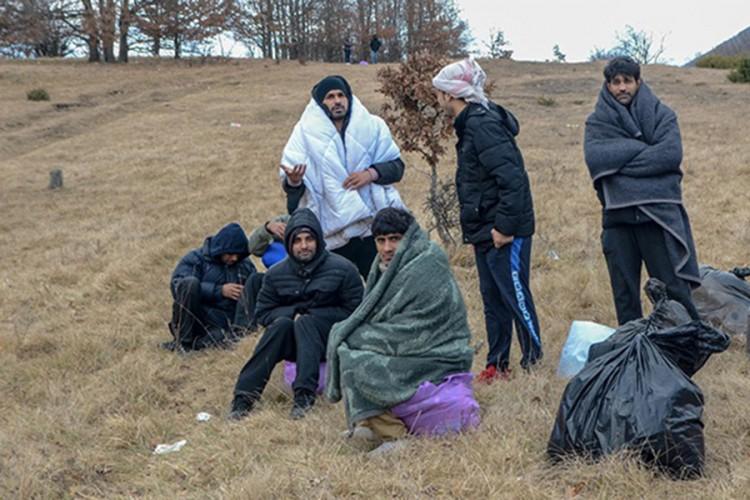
(723, 299)
(635, 393)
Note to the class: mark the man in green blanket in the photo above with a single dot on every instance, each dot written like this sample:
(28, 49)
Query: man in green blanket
(410, 328)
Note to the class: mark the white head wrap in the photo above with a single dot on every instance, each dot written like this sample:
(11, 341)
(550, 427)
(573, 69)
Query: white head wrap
(463, 79)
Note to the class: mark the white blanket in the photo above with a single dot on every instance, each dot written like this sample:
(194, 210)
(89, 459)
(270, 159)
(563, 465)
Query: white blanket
(315, 142)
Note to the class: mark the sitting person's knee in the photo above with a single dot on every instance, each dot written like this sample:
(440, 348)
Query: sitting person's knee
(282, 323)
(188, 284)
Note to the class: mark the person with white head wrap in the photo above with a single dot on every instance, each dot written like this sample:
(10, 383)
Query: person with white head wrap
(463, 79)
(497, 212)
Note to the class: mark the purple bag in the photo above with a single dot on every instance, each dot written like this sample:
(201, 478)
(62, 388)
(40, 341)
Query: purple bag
(435, 410)
(290, 373)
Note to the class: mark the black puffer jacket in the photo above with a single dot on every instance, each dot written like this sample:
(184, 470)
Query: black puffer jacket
(329, 286)
(205, 264)
(493, 188)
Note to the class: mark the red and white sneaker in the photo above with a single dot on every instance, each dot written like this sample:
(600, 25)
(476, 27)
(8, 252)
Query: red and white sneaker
(491, 374)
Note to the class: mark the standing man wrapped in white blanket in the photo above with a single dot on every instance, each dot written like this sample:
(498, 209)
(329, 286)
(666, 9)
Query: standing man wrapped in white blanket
(341, 162)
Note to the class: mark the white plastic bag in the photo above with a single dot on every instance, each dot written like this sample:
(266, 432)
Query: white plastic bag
(169, 448)
(575, 352)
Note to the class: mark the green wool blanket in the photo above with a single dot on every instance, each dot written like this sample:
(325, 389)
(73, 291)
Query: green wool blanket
(411, 327)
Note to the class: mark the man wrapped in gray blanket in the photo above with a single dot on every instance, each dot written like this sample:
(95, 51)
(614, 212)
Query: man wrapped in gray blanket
(633, 151)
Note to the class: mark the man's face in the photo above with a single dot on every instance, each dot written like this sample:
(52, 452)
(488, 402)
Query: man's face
(444, 100)
(229, 259)
(387, 244)
(623, 88)
(337, 103)
(304, 247)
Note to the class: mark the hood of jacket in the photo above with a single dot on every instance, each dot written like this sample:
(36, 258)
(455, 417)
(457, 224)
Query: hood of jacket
(305, 218)
(230, 239)
(494, 110)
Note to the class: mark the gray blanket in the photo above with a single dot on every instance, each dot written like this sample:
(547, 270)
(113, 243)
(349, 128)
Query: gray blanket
(635, 154)
(411, 327)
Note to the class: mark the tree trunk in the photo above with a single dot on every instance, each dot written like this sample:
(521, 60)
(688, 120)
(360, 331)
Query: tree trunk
(156, 46)
(124, 28)
(93, 43)
(177, 47)
(107, 29)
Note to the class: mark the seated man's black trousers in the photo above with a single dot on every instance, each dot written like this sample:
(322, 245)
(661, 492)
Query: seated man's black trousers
(303, 341)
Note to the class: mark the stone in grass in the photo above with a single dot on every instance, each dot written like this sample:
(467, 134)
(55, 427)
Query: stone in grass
(56, 179)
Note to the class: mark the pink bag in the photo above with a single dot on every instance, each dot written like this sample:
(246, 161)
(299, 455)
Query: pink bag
(290, 373)
(435, 410)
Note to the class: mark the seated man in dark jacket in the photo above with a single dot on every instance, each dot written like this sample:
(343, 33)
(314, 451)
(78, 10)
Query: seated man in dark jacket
(213, 289)
(300, 300)
(497, 213)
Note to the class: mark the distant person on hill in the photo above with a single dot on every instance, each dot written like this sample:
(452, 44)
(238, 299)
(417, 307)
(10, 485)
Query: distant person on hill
(497, 213)
(409, 336)
(214, 290)
(375, 45)
(341, 162)
(300, 300)
(633, 151)
(267, 241)
(347, 50)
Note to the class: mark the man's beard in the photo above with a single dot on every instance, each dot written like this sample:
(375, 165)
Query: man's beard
(304, 257)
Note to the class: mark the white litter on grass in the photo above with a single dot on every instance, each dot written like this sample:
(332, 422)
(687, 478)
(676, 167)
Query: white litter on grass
(553, 255)
(162, 449)
(203, 417)
(235, 125)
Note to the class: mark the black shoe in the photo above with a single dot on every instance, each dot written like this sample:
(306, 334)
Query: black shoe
(169, 346)
(303, 403)
(241, 408)
(173, 346)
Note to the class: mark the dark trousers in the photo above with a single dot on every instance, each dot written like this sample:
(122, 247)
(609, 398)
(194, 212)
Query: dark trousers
(303, 341)
(625, 248)
(196, 326)
(504, 284)
(361, 252)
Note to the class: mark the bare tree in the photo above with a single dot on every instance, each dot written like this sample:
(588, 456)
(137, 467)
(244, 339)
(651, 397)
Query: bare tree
(559, 55)
(639, 45)
(497, 45)
(416, 119)
(34, 28)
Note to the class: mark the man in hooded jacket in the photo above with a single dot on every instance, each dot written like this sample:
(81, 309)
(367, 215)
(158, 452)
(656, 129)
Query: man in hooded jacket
(497, 213)
(213, 288)
(351, 162)
(300, 300)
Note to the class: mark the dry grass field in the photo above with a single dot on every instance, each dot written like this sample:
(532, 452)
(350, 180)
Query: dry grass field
(152, 166)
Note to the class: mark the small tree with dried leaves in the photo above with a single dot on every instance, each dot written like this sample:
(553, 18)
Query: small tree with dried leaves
(419, 124)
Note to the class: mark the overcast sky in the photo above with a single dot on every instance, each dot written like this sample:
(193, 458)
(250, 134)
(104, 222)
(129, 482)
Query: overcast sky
(532, 26)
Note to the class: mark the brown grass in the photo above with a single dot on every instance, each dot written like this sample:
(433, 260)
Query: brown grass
(152, 165)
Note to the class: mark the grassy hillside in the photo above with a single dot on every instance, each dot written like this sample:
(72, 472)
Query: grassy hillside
(152, 165)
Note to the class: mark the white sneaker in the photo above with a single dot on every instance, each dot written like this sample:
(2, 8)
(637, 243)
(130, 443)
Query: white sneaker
(389, 448)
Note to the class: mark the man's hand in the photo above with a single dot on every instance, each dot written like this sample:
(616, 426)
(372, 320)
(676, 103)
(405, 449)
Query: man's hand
(294, 175)
(276, 229)
(232, 291)
(499, 239)
(358, 180)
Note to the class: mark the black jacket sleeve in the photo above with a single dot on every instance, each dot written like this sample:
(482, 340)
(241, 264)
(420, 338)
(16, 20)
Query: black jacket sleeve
(269, 307)
(500, 158)
(389, 172)
(350, 296)
(293, 195)
(191, 266)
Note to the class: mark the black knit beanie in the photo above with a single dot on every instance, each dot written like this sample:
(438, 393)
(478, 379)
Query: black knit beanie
(332, 82)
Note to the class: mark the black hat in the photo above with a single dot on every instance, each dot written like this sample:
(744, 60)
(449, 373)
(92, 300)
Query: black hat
(332, 82)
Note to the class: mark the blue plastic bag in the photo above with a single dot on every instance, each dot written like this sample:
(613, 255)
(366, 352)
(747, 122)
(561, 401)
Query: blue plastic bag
(575, 352)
